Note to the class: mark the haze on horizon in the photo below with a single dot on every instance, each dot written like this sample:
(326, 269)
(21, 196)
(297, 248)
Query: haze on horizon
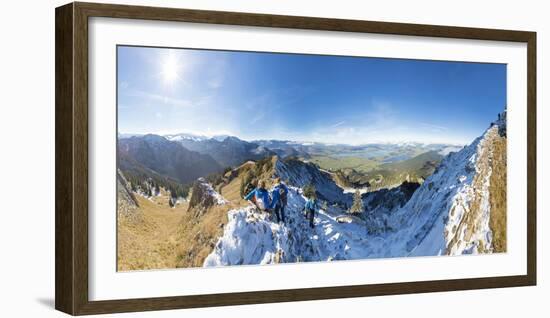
(306, 98)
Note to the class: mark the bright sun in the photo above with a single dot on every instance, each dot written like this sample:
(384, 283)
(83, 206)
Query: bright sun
(170, 68)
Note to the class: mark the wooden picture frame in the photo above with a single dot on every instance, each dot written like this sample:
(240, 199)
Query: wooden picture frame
(71, 142)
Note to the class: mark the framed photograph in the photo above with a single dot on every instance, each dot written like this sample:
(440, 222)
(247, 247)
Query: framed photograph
(211, 158)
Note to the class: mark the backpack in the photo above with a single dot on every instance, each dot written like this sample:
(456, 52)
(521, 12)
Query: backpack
(311, 206)
(249, 187)
(260, 202)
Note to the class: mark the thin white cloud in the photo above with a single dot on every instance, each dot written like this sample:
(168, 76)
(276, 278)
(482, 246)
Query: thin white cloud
(259, 116)
(434, 128)
(160, 99)
(366, 135)
(381, 123)
(338, 124)
(197, 132)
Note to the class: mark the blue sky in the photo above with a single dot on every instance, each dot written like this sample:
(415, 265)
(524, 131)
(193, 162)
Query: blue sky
(300, 97)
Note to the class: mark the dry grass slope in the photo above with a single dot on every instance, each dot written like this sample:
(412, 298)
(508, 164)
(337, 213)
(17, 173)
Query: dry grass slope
(497, 221)
(198, 234)
(149, 242)
(158, 236)
(493, 159)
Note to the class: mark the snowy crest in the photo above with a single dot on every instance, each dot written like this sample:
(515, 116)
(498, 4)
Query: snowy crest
(449, 214)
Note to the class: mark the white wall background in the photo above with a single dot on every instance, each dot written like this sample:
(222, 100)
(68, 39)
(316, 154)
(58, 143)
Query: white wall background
(27, 158)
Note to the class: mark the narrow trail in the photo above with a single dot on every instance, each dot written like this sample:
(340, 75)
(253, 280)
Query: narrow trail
(294, 241)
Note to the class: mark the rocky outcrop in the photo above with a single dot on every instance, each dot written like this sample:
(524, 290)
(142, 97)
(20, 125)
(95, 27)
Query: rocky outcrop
(127, 204)
(301, 174)
(388, 200)
(203, 196)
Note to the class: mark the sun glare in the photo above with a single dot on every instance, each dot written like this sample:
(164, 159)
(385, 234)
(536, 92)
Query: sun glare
(170, 68)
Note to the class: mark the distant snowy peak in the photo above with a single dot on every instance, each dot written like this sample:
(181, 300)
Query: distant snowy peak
(222, 137)
(126, 136)
(408, 144)
(185, 136)
(198, 137)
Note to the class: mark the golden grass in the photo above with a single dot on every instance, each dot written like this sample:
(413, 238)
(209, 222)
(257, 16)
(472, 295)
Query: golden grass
(497, 221)
(197, 236)
(493, 158)
(163, 237)
(149, 242)
(232, 191)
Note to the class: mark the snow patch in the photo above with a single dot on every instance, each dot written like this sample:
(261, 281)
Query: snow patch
(218, 198)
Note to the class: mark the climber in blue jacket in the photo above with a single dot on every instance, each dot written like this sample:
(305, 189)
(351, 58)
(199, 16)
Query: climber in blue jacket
(260, 196)
(310, 209)
(279, 198)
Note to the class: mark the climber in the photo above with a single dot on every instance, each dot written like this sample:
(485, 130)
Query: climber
(310, 209)
(249, 187)
(279, 200)
(260, 197)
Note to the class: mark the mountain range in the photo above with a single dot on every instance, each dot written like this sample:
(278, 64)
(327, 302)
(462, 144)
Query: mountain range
(228, 151)
(185, 157)
(152, 154)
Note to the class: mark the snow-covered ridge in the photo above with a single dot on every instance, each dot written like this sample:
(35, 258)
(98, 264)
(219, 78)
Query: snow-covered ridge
(447, 215)
(250, 237)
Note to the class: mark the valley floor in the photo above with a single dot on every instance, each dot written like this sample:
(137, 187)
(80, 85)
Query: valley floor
(150, 241)
(161, 237)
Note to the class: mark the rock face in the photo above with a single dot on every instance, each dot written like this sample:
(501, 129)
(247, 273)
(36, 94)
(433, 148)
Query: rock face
(389, 200)
(203, 196)
(380, 205)
(127, 203)
(300, 174)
